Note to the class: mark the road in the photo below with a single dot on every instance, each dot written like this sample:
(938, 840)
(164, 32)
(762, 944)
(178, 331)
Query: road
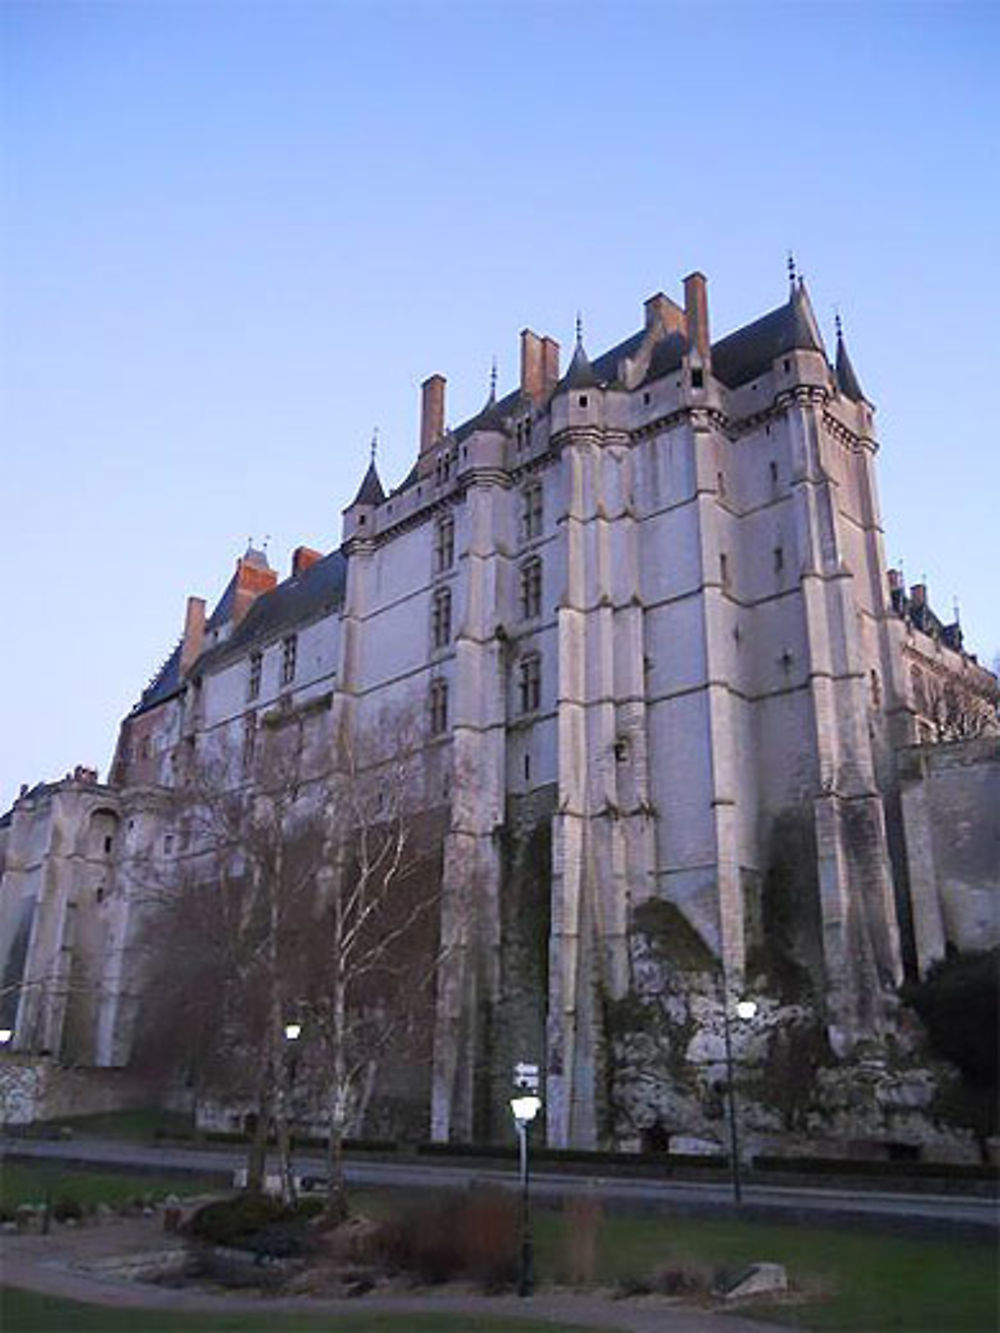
(813, 1204)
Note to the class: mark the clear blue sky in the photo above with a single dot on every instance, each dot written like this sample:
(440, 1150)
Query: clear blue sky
(235, 237)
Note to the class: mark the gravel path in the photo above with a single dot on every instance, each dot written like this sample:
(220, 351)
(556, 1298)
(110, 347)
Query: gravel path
(60, 1265)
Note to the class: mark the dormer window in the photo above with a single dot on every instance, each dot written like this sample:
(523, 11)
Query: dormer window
(582, 400)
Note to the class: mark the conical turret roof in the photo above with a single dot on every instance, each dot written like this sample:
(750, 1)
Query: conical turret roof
(580, 374)
(370, 491)
(847, 381)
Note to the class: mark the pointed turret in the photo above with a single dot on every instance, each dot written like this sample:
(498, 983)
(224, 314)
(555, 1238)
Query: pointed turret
(580, 374)
(358, 514)
(847, 381)
(370, 492)
(806, 336)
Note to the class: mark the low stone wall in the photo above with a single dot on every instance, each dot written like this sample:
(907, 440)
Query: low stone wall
(39, 1089)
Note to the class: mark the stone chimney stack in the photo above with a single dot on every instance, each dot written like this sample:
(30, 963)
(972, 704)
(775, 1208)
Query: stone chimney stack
(696, 315)
(194, 633)
(532, 375)
(550, 365)
(431, 412)
(918, 594)
(302, 558)
(895, 580)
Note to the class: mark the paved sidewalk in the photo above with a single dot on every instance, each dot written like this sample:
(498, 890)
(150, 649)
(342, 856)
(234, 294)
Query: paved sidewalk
(56, 1265)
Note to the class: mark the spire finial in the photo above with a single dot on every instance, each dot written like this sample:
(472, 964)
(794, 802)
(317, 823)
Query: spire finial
(955, 611)
(837, 323)
(493, 380)
(374, 445)
(579, 329)
(791, 268)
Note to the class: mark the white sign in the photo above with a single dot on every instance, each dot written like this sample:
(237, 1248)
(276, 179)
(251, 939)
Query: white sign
(526, 1076)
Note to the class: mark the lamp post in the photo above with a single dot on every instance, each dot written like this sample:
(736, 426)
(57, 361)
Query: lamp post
(6, 1036)
(293, 1031)
(524, 1106)
(745, 1010)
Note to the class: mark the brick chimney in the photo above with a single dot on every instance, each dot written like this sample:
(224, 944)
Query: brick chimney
(532, 378)
(661, 310)
(194, 633)
(696, 315)
(253, 577)
(550, 365)
(302, 558)
(431, 412)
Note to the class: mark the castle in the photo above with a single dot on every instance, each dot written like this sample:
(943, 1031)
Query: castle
(643, 609)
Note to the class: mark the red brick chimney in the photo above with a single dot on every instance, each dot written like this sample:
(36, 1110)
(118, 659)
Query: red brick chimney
(696, 314)
(431, 412)
(532, 378)
(253, 577)
(661, 310)
(194, 633)
(302, 558)
(550, 365)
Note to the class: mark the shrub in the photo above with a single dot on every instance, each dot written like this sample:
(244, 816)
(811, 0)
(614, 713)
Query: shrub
(584, 1217)
(255, 1222)
(66, 1209)
(471, 1236)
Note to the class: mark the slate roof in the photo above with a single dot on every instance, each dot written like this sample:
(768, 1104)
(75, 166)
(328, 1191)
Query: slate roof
(749, 351)
(370, 491)
(846, 378)
(167, 680)
(580, 374)
(315, 592)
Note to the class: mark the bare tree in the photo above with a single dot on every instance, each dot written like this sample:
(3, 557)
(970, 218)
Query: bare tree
(225, 935)
(308, 893)
(375, 947)
(957, 711)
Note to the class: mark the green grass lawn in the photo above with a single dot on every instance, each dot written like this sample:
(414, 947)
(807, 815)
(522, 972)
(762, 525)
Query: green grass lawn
(31, 1182)
(138, 1126)
(26, 1312)
(855, 1281)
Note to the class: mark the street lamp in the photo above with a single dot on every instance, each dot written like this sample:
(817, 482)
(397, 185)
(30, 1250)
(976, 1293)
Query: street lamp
(6, 1036)
(524, 1107)
(745, 1010)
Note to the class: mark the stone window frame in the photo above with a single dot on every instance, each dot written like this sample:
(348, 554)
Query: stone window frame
(531, 588)
(438, 706)
(444, 543)
(532, 510)
(441, 618)
(529, 683)
(248, 752)
(289, 657)
(256, 668)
